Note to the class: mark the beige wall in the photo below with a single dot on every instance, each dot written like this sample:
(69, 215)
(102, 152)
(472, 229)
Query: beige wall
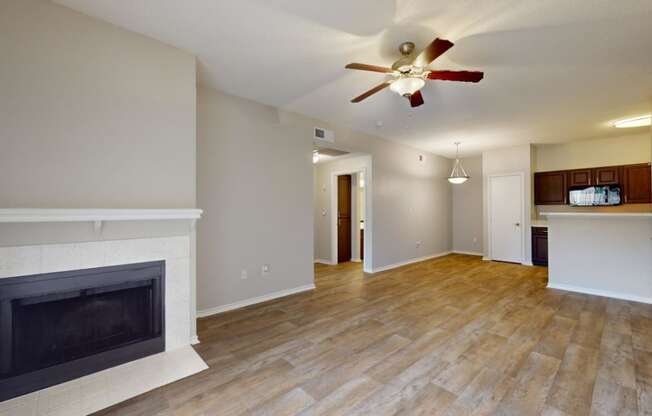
(517, 159)
(623, 150)
(411, 199)
(467, 209)
(92, 116)
(255, 186)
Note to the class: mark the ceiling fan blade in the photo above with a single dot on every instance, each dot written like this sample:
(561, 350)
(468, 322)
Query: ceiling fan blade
(432, 52)
(373, 68)
(416, 99)
(464, 76)
(371, 92)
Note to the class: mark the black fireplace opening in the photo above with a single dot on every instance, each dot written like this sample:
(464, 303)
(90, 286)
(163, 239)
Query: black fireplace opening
(60, 326)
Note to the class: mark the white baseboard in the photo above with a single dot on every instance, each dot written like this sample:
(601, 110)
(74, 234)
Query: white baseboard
(468, 253)
(322, 261)
(194, 340)
(252, 301)
(604, 293)
(411, 261)
(485, 258)
(356, 260)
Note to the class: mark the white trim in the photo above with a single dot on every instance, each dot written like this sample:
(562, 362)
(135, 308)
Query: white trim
(605, 293)
(599, 214)
(356, 260)
(194, 340)
(468, 253)
(24, 215)
(322, 261)
(411, 261)
(523, 221)
(485, 258)
(252, 301)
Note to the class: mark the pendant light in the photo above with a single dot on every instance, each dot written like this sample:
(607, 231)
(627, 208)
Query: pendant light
(458, 174)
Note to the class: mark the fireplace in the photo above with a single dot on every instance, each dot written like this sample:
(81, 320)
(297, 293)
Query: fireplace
(60, 326)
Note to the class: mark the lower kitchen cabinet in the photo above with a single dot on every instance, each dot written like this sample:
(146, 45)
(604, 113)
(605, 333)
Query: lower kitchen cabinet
(540, 246)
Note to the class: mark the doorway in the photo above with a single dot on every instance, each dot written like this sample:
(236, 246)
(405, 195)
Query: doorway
(351, 225)
(506, 213)
(344, 218)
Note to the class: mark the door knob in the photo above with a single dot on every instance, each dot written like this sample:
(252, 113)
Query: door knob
(518, 224)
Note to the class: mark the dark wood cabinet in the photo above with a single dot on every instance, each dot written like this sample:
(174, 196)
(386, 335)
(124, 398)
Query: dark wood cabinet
(580, 177)
(635, 182)
(638, 184)
(550, 188)
(607, 175)
(540, 246)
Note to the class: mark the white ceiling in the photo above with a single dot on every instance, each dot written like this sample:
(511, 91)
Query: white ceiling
(555, 70)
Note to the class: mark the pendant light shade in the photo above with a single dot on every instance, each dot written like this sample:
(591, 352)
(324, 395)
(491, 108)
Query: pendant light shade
(458, 174)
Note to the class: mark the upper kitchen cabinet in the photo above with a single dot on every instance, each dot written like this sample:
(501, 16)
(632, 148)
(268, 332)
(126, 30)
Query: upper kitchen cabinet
(550, 188)
(607, 176)
(638, 183)
(580, 177)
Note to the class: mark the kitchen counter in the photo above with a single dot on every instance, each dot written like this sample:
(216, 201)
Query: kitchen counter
(606, 254)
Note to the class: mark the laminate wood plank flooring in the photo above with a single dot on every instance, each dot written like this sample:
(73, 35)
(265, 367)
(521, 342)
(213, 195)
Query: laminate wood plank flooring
(449, 336)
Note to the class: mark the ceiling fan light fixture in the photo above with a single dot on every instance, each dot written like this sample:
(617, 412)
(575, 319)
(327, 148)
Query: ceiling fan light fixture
(458, 174)
(406, 86)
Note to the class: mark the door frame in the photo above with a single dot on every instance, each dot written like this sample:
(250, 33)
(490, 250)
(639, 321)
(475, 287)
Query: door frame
(368, 212)
(521, 175)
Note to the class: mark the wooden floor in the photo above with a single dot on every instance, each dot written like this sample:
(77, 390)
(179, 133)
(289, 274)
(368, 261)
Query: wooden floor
(454, 336)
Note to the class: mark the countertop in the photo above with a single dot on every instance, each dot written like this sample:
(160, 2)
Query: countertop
(539, 223)
(604, 215)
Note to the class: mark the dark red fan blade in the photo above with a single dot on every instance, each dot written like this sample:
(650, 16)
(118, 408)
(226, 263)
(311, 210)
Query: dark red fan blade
(464, 76)
(373, 68)
(416, 99)
(432, 52)
(370, 92)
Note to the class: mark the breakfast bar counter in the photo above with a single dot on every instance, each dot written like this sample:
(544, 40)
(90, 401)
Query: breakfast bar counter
(606, 254)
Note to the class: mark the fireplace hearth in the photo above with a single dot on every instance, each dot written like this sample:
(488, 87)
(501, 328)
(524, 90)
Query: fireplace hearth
(56, 327)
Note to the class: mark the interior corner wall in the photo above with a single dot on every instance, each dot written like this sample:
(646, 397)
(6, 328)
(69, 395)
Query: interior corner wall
(467, 209)
(516, 159)
(91, 115)
(255, 185)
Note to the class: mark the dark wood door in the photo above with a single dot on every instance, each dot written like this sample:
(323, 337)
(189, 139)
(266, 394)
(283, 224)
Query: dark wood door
(550, 188)
(579, 178)
(638, 184)
(607, 176)
(343, 218)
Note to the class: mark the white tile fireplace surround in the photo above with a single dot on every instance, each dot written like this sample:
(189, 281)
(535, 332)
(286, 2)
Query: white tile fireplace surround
(105, 388)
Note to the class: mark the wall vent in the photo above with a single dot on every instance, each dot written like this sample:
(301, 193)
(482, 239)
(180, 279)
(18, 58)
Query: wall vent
(323, 135)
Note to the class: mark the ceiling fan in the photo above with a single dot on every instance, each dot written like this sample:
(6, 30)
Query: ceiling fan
(409, 74)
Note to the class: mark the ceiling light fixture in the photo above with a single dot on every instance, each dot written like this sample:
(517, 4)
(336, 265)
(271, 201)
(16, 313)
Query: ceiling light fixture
(641, 121)
(407, 86)
(315, 156)
(458, 174)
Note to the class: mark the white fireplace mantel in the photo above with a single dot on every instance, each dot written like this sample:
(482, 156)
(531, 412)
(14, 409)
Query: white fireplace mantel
(96, 216)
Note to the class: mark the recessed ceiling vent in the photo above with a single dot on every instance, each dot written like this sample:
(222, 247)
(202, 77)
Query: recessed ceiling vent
(323, 135)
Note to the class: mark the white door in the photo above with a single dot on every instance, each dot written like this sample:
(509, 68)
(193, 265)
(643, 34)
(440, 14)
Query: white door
(506, 217)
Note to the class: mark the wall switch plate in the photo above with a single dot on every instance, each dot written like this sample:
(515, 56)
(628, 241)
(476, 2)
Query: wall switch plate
(243, 274)
(265, 269)
(475, 240)
(419, 243)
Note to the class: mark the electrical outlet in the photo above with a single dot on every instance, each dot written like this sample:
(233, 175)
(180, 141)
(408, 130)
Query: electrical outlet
(264, 271)
(475, 240)
(418, 243)
(243, 274)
